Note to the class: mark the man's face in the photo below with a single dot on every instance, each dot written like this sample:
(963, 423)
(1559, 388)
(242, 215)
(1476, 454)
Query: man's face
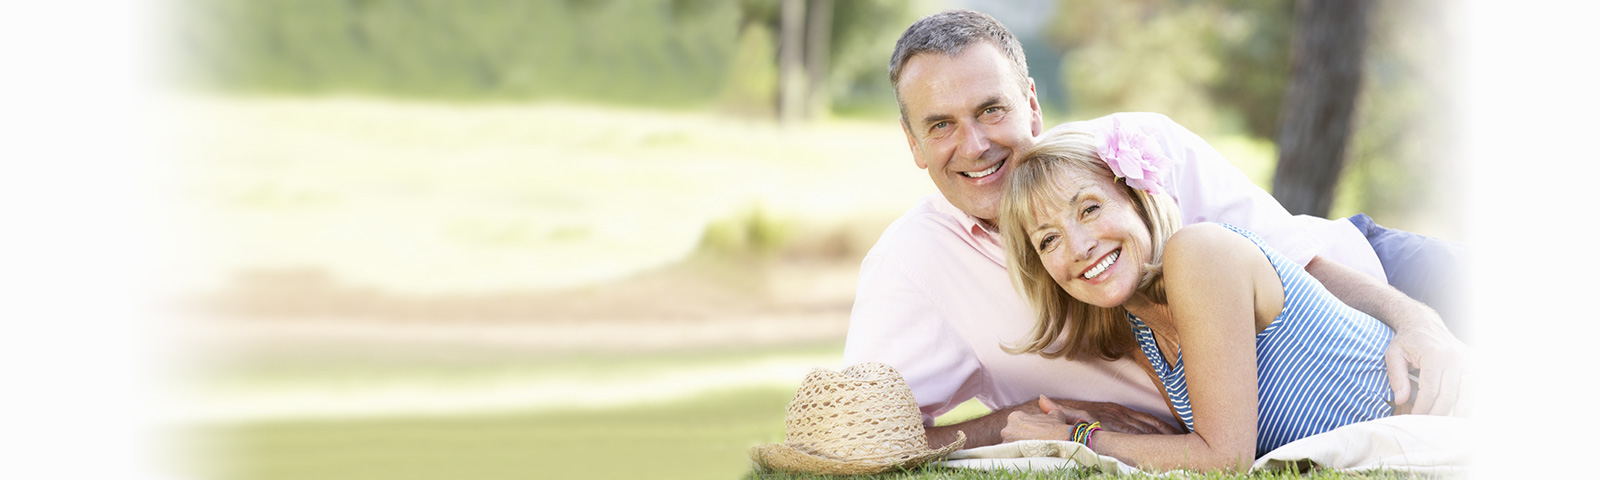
(966, 117)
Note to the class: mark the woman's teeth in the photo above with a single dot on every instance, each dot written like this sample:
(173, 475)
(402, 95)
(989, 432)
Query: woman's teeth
(986, 172)
(1102, 266)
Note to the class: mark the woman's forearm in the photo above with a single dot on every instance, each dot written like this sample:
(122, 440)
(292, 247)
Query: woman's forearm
(1170, 452)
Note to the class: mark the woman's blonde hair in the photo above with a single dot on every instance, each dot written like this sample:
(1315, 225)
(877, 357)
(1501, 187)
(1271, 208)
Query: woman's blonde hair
(1035, 183)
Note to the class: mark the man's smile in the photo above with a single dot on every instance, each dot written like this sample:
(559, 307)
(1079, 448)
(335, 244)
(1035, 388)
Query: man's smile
(985, 172)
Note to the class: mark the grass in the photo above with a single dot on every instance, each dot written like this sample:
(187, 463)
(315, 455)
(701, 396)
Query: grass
(704, 437)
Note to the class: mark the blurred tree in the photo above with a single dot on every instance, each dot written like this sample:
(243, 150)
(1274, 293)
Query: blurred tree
(806, 30)
(1226, 71)
(819, 33)
(1147, 55)
(1213, 66)
(863, 36)
(1252, 39)
(1325, 76)
(791, 60)
(1403, 157)
(844, 51)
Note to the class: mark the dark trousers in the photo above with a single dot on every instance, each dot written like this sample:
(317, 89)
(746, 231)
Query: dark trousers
(1431, 270)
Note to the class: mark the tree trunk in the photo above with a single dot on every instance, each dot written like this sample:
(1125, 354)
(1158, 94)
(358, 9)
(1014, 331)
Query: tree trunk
(791, 60)
(819, 32)
(1318, 106)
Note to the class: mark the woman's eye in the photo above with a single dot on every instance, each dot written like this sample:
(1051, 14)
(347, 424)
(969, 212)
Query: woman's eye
(1046, 242)
(1090, 209)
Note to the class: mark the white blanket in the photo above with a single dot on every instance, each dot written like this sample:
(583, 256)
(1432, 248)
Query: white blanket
(1407, 443)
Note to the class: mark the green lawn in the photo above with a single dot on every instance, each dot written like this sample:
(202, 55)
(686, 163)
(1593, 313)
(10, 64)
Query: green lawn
(704, 437)
(700, 438)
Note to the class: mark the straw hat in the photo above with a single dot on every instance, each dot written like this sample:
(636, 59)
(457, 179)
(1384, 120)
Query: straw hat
(863, 420)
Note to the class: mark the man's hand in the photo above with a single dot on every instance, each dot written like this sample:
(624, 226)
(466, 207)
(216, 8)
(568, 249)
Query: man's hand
(1421, 342)
(1440, 359)
(1112, 416)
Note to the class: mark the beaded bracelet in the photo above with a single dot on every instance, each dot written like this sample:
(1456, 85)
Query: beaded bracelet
(1083, 433)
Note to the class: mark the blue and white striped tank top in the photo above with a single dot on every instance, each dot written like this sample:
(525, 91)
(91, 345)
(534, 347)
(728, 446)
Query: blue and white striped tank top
(1319, 365)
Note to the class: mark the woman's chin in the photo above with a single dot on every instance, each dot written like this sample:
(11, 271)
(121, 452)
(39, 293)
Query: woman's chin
(1106, 304)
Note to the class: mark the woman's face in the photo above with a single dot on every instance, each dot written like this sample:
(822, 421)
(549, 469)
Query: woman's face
(1092, 240)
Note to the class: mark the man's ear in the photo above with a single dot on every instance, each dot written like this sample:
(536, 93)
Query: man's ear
(916, 148)
(1038, 114)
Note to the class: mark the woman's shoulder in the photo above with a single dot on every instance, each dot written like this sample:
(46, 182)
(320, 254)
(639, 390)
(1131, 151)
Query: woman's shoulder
(1209, 248)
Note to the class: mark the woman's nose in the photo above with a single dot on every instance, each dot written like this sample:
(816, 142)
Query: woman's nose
(1082, 246)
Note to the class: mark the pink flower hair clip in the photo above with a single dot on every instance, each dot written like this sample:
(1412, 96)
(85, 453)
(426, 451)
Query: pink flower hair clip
(1133, 156)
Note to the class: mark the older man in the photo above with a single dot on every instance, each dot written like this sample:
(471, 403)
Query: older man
(934, 299)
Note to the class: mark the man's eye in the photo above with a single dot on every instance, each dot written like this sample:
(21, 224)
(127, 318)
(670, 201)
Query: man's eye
(991, 110)
(939, 125)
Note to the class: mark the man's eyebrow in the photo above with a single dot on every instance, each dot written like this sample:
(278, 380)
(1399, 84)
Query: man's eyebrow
(936, 118)
(990, 102)
(940, 117)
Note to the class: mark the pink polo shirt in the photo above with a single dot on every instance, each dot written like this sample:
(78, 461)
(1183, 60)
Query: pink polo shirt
(934, 299)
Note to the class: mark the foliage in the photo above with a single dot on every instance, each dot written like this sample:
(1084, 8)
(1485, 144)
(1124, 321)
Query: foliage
(1210, 66)
(649, 52)
(753, 233)
(1404, 167)
(1221, 67)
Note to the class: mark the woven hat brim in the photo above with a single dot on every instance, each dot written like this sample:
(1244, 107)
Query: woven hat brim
(778, 456)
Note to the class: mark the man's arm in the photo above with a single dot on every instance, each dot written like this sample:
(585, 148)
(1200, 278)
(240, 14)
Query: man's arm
(985, 430)
(1421, 341)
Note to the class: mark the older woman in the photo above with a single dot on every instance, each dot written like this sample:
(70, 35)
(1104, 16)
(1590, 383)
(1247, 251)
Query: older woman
(1252, 352)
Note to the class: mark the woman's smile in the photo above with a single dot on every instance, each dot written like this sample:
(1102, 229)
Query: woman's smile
(1101, 267)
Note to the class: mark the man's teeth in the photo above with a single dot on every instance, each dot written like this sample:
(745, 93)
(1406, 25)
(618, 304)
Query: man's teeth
(986, 172)
(1102, 266)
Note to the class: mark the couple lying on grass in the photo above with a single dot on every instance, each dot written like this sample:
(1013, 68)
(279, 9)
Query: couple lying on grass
(935, 297)
(1252, 352)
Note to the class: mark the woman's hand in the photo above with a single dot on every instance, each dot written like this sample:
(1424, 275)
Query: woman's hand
(1057, 421)
(1112, 416)
(1036, 426)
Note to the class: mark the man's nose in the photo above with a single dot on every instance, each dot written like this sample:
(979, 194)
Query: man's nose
(973, 141)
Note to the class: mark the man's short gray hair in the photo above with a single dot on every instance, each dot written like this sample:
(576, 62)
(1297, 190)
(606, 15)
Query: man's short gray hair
(947, 33)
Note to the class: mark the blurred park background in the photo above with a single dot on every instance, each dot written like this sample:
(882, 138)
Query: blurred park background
(597, 238)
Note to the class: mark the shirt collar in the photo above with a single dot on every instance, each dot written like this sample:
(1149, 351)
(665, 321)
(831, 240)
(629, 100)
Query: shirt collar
(972, 225)
(985, 240)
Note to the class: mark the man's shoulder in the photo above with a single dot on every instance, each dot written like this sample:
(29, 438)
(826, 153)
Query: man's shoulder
(932, 224)
(1142, 119)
